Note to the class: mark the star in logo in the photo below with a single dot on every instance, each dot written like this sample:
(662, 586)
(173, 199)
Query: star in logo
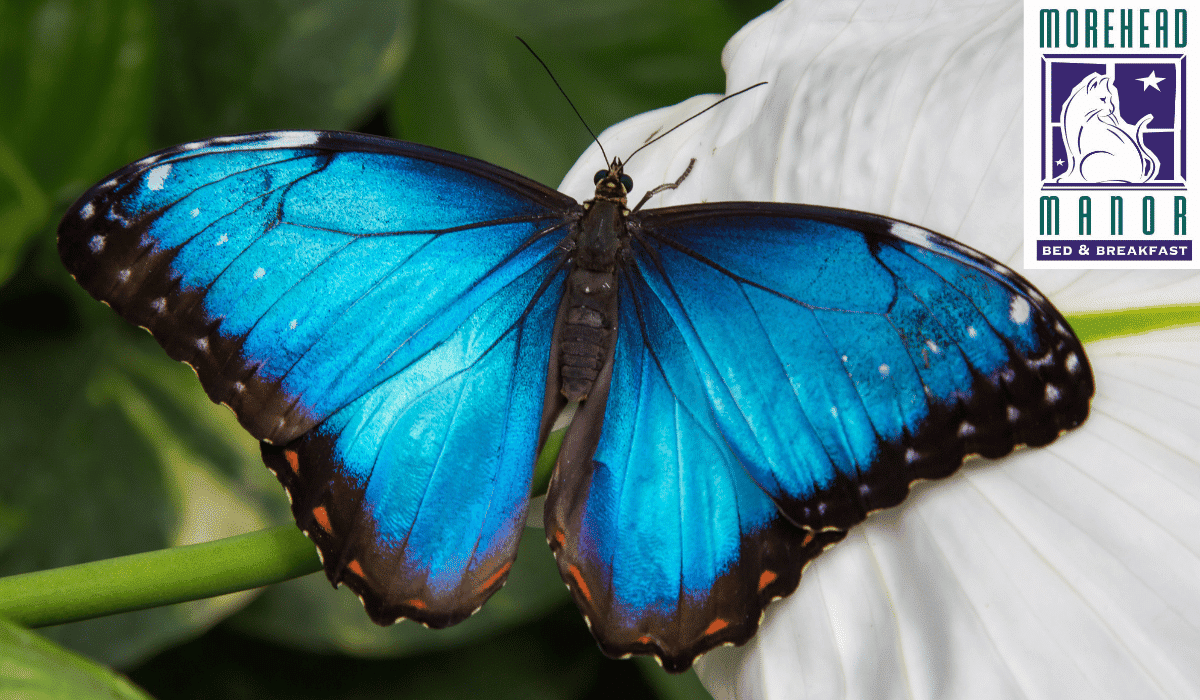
(1151, 81)
(1059, 161)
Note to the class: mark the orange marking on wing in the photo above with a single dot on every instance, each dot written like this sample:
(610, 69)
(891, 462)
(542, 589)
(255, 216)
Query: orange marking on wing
(583, 588)
(716, 626)
(494, 578)
(766, 579)
(355, 568)
(322, 517)
(808, 539)
(559, 537)
(293, 460)
(645, 640)
(416, 603)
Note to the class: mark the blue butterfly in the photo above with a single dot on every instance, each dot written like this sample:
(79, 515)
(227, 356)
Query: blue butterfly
(400, 326)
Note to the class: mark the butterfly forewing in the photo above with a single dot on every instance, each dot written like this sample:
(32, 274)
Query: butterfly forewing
(832, 381)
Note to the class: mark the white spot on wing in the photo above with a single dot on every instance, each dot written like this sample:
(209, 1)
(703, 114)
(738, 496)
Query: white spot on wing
(159, 304)
(1052, 394)
(1072, 363)
(86, 211)
(195, 212)
(971, 332)
(1013, 414)
(123, 275)
(1018, 311)
(910, 455)
(833, 411)
(158, 177)
(223, 239)
(884, 370)
(259, 273)
(932, 345)
(965, 429)
(202, 344)
(1039, 362)
(294, 138)
(293, 324)
(910, 233)
(96, 244)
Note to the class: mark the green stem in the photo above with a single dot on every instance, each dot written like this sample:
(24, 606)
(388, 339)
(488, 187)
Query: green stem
(162, 577)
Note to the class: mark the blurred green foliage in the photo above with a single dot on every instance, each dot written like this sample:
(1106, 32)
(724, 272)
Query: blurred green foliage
(109, 448)
(33, 668)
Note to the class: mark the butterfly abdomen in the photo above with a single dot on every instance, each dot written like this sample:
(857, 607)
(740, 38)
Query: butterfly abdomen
(589, 327)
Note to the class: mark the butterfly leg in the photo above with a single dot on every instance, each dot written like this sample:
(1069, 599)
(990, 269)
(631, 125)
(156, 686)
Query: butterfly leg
(667, 186)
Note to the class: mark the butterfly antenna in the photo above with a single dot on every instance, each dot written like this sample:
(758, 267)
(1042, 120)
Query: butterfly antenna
(568, 99)
(685, 121)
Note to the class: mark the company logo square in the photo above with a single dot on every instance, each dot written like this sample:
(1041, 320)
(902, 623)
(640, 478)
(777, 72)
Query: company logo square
(1107, 99)
(1113, 121)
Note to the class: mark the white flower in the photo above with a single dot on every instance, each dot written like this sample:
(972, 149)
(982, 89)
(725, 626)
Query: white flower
(1070, 571)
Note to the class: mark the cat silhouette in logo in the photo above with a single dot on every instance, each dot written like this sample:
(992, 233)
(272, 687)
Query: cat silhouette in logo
(1101, 146)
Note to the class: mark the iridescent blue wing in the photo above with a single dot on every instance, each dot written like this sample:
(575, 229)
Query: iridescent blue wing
(803, 366)
(379, 314)
(667, 544)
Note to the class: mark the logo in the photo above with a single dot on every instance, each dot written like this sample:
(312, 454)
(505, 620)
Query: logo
(1107, 143)
(1112, 120)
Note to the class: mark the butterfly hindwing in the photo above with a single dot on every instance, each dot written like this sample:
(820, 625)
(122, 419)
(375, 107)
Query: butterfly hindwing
(438, 461)
(377, 313)
(667, 544)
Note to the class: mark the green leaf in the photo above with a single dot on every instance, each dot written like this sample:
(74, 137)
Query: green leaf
(23, 209)
(231, 66)
(33, 668)
(472, 88)
(110, 448)
(77, 84)
(1101, 325)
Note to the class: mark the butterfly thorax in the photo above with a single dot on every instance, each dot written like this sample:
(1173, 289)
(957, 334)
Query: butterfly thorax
(603, 222)
(589, 309)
